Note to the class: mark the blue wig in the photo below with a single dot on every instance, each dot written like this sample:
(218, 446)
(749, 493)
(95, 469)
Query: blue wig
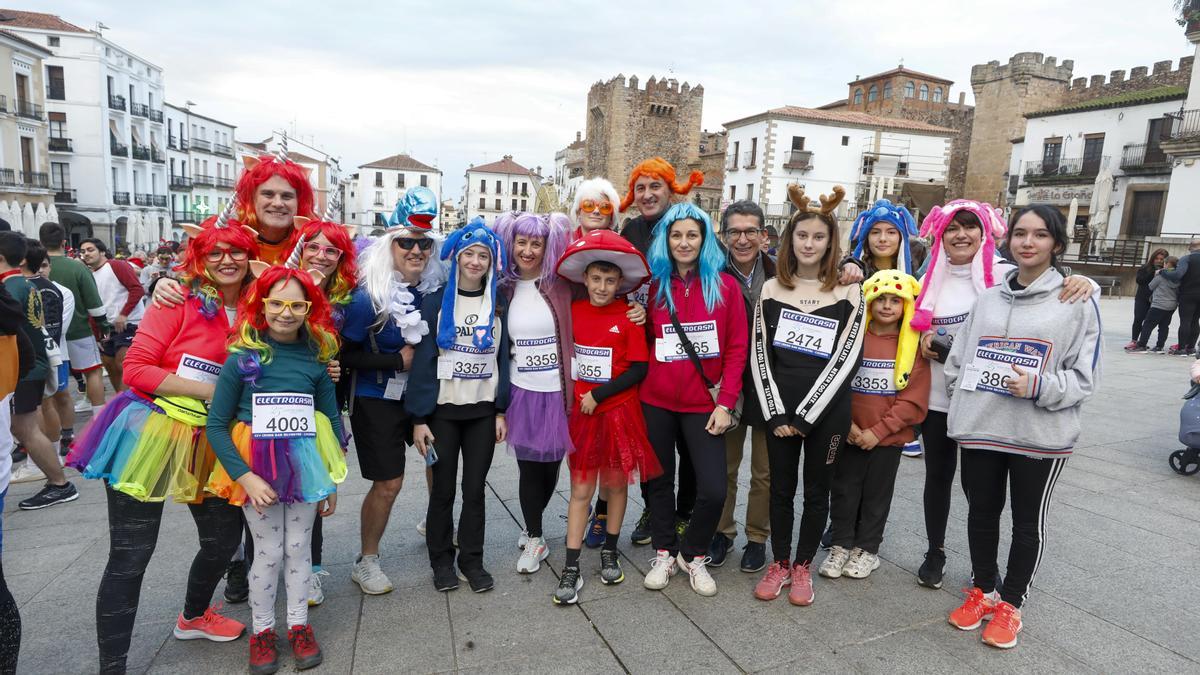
(474, 233)
(886, 212)
(710, 263)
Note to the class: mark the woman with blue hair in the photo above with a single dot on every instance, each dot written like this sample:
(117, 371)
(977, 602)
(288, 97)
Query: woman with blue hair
(698, 322)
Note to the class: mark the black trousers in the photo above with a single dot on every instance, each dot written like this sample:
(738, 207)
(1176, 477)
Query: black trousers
(318, 541)
(987, 477)
(941, 460)
(1141, 307)
(474, 441)
(819, 451)
(535, 489)
(863, 483)
(133, 534)
(1156, 318)
(10, 628)
(666, 431)
(1189, 321)
(685, 498)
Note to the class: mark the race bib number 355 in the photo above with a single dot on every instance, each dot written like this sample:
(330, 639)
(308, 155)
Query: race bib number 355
(593, 364)
(283, 416)
(806, 333)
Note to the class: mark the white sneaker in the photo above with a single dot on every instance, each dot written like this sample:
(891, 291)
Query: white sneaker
(697, 569)
(662, 568)
(861, 564)
(369, 577)
(531, 558)
(83, 405)
(523, 539)
(316, 594)
(835, 563)
(27, 472)
(421, 527)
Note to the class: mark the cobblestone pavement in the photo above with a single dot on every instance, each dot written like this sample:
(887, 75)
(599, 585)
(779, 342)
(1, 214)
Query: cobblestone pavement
(1118, 591)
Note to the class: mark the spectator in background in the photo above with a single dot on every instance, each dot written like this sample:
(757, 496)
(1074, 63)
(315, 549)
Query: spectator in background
(1164, 298)
(772, 241)
(162, 266)
(1187, 273)
(1141, 302)
(11, 316)
(122, 293)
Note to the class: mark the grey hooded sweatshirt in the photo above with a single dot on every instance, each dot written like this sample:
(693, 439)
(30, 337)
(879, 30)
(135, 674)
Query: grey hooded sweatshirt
(1058, 344)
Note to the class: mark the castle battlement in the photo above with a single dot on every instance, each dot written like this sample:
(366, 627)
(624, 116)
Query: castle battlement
(1141, 77)
(658, 87)
(1023, 65)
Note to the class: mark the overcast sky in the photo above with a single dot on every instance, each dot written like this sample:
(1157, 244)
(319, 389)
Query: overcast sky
(459, 82)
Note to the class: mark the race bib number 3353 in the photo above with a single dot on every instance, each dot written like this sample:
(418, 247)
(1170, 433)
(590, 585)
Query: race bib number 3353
(283, 416)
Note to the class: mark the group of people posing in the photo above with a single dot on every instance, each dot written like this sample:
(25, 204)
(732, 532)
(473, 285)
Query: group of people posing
(641, 354)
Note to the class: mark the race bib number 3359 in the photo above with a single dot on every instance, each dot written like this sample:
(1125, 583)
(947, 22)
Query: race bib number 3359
(283, 416)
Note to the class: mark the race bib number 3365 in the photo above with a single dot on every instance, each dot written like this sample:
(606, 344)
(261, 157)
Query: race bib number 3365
(702, 335)
(283, 416)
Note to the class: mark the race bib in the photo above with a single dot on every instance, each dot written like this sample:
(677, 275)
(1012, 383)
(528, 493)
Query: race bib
(282, 416)
(875, 377)
(702, 334)
(593, 364)
(466, 362)
(536, 355)
(806, 333)
(641, 295)
(197, 369)
(991, 367)
(394, 390)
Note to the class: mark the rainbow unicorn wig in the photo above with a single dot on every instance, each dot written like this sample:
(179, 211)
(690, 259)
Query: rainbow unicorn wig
(934, 226)
(710, 263)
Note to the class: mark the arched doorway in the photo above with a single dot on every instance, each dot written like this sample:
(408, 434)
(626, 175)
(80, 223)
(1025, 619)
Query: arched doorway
(77, 225)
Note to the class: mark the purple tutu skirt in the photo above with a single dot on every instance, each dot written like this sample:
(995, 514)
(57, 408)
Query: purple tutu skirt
(537, 426)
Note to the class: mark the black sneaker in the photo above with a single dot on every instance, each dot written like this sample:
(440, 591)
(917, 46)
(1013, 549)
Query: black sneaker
(754, 557)
(19, 454)
(641, 531)
(50, 495)
(444, 579)
(479, 580)
(718, 550)
(931, 572)
(237, 587)
(610, 567)
(569, 585)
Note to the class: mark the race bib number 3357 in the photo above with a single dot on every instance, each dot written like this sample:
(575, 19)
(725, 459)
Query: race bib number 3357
(283, 416)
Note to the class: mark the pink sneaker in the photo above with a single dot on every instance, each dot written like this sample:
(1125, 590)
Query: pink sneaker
(801, 594)
(772, 583)
(209, 626)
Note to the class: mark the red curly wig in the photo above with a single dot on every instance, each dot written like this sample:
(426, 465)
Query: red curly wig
(254, 176)
(661, 168)
(251, 325)
(339, 286)
(193, 271)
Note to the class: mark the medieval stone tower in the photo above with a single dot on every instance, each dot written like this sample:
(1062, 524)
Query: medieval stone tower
(626, 124)
(1003, 94)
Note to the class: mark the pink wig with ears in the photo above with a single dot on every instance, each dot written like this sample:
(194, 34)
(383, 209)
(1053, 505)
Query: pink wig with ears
(933, 226)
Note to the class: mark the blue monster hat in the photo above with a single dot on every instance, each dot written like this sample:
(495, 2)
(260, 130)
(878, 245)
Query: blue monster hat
(885, 211)
(416, 209)
(474, 233)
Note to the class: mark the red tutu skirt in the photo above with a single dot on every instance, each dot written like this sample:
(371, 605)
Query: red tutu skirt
(612, 446)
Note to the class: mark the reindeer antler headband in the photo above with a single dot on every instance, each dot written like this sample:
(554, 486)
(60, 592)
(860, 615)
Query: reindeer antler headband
(828, 202)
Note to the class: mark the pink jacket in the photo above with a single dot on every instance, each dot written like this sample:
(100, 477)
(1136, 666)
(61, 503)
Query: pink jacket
(675, 385)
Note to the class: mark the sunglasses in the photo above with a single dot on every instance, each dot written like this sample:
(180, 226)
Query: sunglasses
(589, 205)
(276, 306)
(218, 254)
(407, 244)
(328, 252)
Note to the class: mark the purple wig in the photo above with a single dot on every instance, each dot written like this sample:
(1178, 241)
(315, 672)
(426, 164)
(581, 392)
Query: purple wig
(554, 228)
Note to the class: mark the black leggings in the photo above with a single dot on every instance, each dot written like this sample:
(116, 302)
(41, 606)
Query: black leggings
(536, 488)
(666, 431)
(941, 459)
(10, 628)
(475, 441)
(1189, 321)
(133, 533)
(987, 476)
(685, 499)
(1141, 306)
(819, 450)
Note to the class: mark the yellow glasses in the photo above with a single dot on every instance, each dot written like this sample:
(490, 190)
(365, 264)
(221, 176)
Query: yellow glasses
(276, 306)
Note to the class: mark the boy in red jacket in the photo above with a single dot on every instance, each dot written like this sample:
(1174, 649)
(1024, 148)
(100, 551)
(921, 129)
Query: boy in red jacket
(889, 395)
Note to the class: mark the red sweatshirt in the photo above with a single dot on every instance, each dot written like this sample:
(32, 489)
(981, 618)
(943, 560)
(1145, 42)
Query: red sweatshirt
(673, 383)
(166, 335)
(875, 406)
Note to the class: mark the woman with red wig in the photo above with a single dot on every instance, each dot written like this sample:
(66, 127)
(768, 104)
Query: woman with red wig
(149, 444)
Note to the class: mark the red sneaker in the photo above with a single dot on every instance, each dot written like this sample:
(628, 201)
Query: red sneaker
(801, 594)
(977, 607)
(304, 647)
(264, 654)
(772, 583)
(209, 626)
(1002, 630)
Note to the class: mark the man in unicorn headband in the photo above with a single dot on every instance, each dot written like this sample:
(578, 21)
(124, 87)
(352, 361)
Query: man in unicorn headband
(382, 327)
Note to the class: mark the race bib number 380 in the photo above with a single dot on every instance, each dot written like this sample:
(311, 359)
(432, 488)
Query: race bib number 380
(991, 366)
(283, 416)
(806, 333)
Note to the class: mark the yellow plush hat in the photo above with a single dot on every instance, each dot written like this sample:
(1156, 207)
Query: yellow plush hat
(907, 288)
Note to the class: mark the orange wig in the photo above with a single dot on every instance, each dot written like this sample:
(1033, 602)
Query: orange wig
(660, 168)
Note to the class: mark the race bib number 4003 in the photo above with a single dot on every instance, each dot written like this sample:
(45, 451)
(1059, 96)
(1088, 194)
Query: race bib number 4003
(282, 416)
(536, 354)
(806, 333)
(991, 366)
(466, 362)
(875, 377)
(593, 364)
(702, 335)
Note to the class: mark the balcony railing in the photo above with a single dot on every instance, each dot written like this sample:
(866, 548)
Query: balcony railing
(1144, 157)
(139, 109)
(198, 144)
(203, 179)
(183, 217)
(143, 199)
(121, 198)
(119, 149)
(156, 115)
(1184, 124)
(141, 151)
(1111, 252)
(225, 150)
(1064, 170)
(8, 177)
(731, 162)
(181, 182)
(116, 102)
(60, 144)
(35, 179)
(749, 159)
(227, 183)
(56, 90)
(65, 196)
(798, 159)
(29, 110)
(172, 142)
(158, 156)
(159, 200)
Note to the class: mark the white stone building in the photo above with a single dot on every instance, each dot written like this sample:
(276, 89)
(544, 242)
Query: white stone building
(109, 103)
(496, 187)
(568, 169)
(27, 154)
(1183, 147)
(375, 189)
(871, 157)
(201, 165)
